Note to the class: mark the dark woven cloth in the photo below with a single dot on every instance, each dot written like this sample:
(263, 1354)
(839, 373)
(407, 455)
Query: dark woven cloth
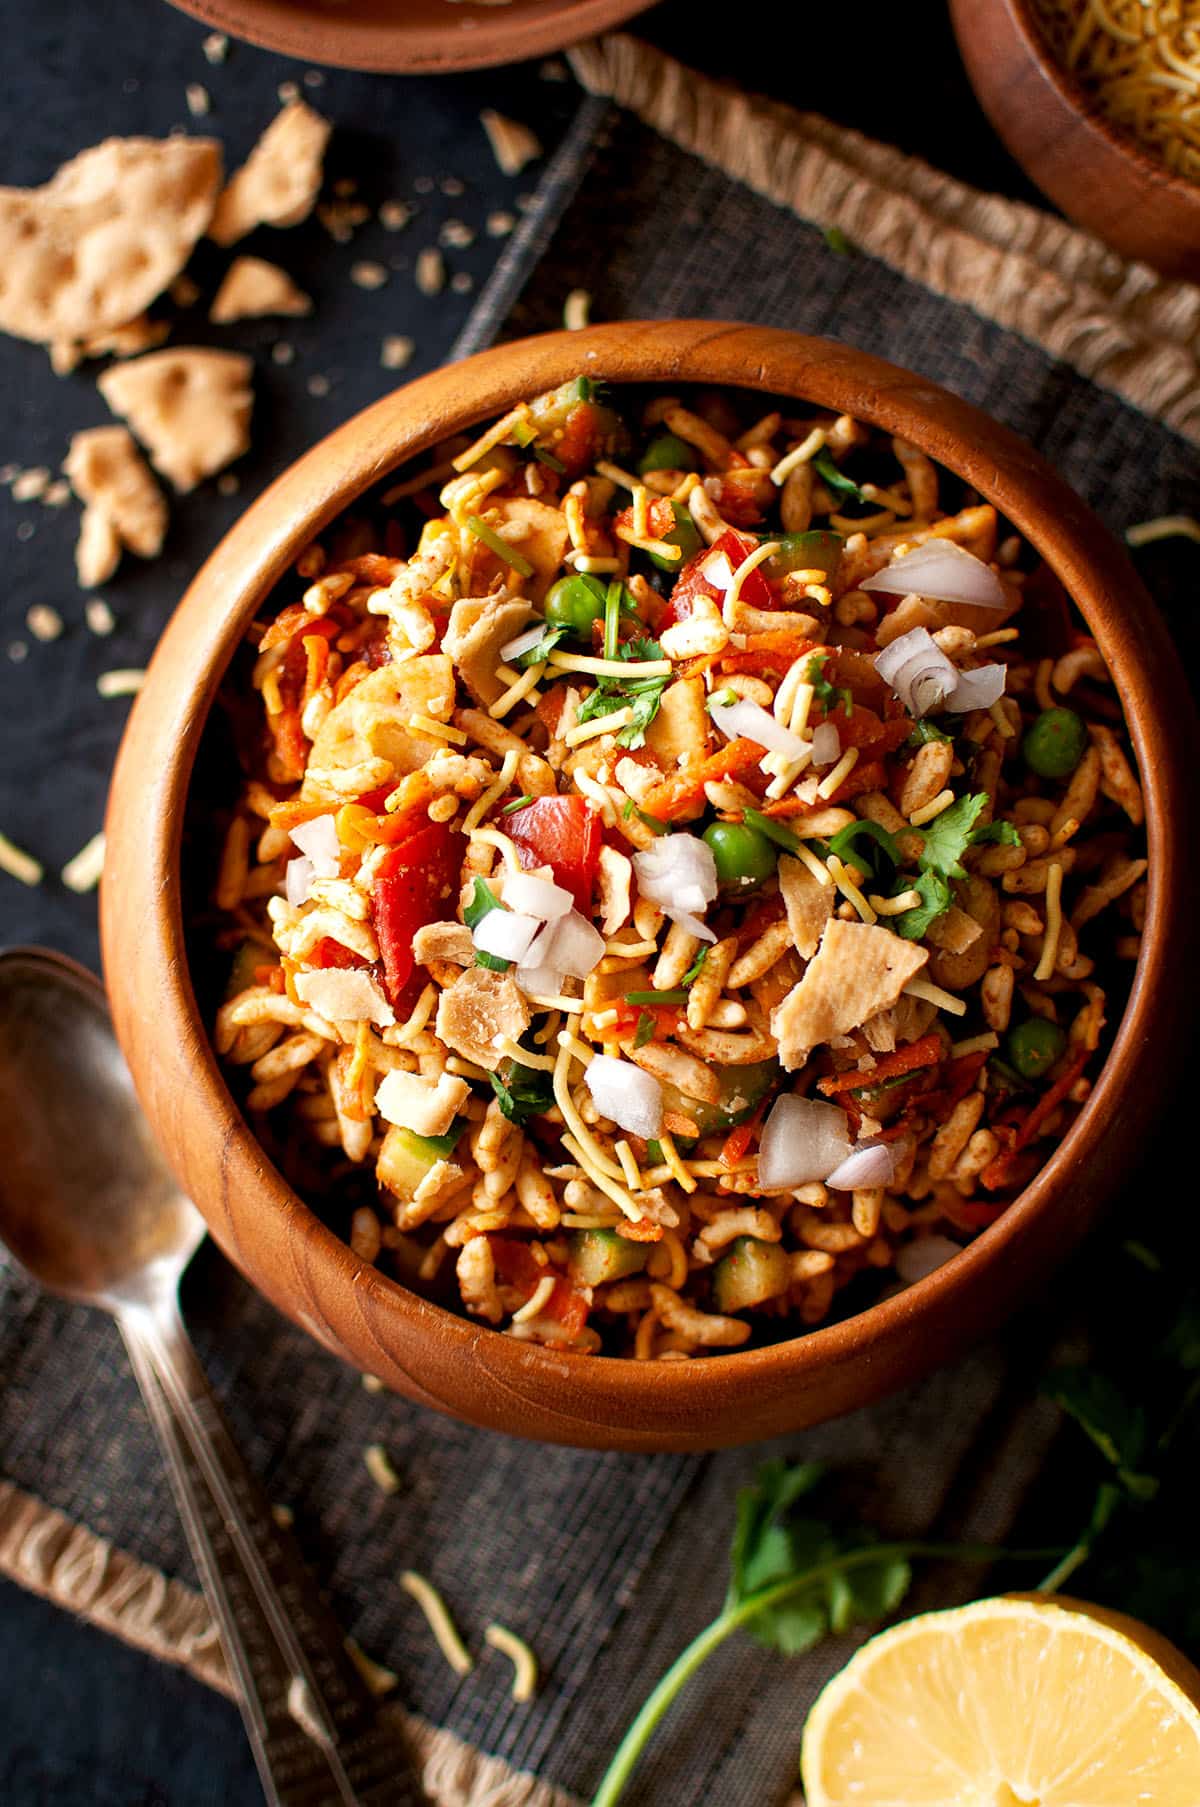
(606, 1563)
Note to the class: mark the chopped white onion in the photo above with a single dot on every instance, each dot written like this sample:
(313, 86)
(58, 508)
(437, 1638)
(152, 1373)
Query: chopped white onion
(539, 981)
(693, 924)
(299, 880)
(505, 935)
(319, 840)
(539, 897)
(826, 744)
(943, 572)
(620, 1090)
(678, 872)
(871, 1164)
(924, 1255)
(802, 1140)
(918, 671)
(750, 721)
(718, 570)
(977, 689)
(570, 945)
(512, 649)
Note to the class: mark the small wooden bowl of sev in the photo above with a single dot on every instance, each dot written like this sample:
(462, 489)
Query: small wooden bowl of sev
(151, 948)
(1099, 102)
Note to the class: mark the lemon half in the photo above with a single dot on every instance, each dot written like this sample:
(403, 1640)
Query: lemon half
(1023, 1701)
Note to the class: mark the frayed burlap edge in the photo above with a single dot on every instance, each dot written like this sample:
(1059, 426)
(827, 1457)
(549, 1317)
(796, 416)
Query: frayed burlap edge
(1116, 323)
(46, 1552)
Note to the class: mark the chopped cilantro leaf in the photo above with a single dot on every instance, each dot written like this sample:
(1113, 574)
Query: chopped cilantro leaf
(643, 695)
(522, 1091)
(540, 650)
(923, 731)
(1004, 832)
(948, 836)
(482, 902)
(835, 479)
(645, 1029)
(827, 694)
(837, 241)
(847, 844)
(935, 901)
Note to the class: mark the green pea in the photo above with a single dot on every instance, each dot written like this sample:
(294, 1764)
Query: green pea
(1055, 744)
(1034, 1046)
(574, 603)
(743, 856)
(667, 453)
(685, 534)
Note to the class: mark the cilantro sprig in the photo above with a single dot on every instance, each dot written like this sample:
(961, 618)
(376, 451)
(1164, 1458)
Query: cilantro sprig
(641, 694)
(797, 1574)
(522, 1091)
(827, 694)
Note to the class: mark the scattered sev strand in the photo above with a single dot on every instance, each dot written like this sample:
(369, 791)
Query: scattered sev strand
(437, 1616)
(524, 1662)
(18, 864)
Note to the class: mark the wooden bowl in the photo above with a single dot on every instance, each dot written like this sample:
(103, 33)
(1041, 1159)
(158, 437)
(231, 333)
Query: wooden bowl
(412, 37)
(1101, 178)
(448, 1361)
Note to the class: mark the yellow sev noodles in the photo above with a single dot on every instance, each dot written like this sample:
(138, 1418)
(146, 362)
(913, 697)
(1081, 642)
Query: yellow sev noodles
(1140, 60)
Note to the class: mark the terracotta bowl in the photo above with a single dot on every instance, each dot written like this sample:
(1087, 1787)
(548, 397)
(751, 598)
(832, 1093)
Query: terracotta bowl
(1101, 178)
(431, 1354)
(412, 37)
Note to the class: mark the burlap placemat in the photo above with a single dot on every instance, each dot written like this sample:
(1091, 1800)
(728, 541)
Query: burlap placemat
(609, 1563)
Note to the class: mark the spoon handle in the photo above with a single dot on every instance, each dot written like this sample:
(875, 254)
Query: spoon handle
(316, 1734)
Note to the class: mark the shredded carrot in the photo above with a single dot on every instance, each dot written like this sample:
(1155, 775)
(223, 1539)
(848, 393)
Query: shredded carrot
(740, 1137)
(926, 1051)
(997, 1172)
(682, 791)
(641, 1231)
(676, 1124)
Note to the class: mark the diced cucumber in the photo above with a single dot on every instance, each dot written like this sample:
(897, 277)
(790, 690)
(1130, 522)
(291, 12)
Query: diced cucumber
(750, 1273)
(594, 1257)
(411, 1156)
(249, 956)
(742, 1088)
(815, 551)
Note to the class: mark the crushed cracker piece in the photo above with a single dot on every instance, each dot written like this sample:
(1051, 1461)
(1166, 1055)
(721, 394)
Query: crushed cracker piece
(17, 650)
(345, 186)
(500, 223)
(394, 215)
(451, 186)
(123, 506)
(99, 617)
(252, 288)
(314, 78)
(424, 185)
(30, 484)
(280, 179)
(199, 100)
(90, 249)
(367, 274)
(283, 352)
(228, 483)
(190, 408)
(340, 218)
(125, 341)
(184, 292)
(456, 235)
(379, 1467)
(430, 273)
(319, 385)
(56, 494)
(8, 472)
(554, 71)
(288, 92)
(43, 622)
(216, 47)
(513, 144)
(462, 282)
(396, 351)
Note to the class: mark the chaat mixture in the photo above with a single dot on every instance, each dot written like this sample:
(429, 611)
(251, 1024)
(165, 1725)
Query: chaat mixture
(684, 857)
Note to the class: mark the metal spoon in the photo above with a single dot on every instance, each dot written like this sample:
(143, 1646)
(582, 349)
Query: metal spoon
(90, 1210)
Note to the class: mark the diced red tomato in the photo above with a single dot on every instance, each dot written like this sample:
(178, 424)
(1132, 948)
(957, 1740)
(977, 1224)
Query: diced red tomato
(329, 952)
(580, 431)
(517, 1266)
(690, 583)
(692, 580)
(735, 502)
(564, 833)
(415, 884)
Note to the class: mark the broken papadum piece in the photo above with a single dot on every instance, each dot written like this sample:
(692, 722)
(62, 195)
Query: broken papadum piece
(280, 179)
(190, 408)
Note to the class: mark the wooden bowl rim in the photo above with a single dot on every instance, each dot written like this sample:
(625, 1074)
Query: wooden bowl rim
(338, 41)
(1081, 104)
(263, 544)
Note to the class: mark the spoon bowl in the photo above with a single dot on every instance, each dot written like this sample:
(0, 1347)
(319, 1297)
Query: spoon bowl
(87, 1203)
